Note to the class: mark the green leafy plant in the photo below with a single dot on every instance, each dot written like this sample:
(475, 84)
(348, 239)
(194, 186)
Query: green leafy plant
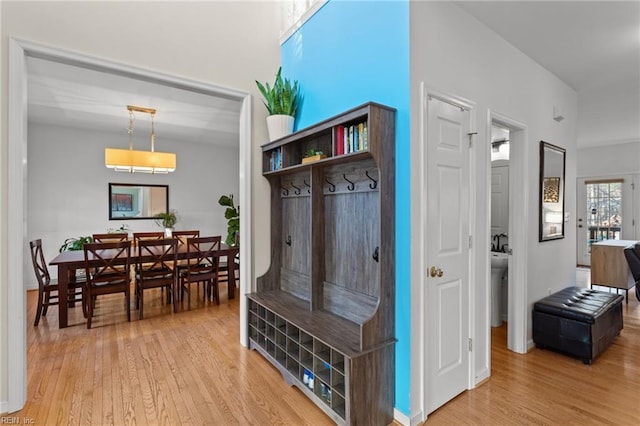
(232, 214)
(74, 244)
(283, 97)
(166, 219)
(312, 152)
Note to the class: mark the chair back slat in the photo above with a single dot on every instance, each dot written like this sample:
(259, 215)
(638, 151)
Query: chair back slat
(155, 256)
(107, 263)
(202, 255)
(39, 264)
(110, 237)
(183, 236)
(154, 235)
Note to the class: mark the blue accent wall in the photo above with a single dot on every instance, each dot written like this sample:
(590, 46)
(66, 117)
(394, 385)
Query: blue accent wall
(349, 53)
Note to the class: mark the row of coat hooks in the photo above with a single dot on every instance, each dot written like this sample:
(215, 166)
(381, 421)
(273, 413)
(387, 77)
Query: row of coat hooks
(332, 185)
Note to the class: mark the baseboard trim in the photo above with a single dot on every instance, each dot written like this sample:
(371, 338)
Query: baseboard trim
(400, 417)
(4, 408)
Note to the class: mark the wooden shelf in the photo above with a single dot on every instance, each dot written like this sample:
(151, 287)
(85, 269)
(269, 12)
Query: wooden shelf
(325, 308)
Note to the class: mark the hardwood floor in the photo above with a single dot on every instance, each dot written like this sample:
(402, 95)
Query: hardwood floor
(170, 369)
(548, 388)
(188, 368)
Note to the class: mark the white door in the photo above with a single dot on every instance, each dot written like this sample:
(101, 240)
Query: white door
(447, 250)
(499, 202)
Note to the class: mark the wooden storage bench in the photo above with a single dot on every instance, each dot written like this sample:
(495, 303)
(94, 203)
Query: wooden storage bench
(577, 321)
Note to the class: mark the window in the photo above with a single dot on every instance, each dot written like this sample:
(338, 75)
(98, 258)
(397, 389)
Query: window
(604, 208)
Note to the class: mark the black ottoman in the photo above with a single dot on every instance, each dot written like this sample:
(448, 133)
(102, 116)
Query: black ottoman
(577, 321)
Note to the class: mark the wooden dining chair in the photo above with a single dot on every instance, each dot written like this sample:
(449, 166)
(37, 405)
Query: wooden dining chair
(107, 267)
(184, 235)
(202, 267)
(230, 261)
(153, 235)
(156, 268)
(48, 288)
(110, 237)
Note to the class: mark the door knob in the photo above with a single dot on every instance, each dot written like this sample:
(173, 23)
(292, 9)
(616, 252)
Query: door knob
(436, 272)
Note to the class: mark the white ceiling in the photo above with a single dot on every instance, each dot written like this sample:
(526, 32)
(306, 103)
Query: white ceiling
(67, 95)
(592, 46)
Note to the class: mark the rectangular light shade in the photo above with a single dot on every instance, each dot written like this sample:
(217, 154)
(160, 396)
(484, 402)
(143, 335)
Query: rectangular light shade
(128, 160)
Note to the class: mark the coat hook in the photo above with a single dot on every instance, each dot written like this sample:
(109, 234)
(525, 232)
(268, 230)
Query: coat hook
(307, 185)
(374, 183)
(332, 187)
(297, 191)
(285, 191)
(288, 240)
(376, 254)
(351, 185)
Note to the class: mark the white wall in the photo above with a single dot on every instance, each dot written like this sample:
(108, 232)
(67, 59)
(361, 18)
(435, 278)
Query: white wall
(67, 187)
(229, 44)
(453, 53)
(609, 160)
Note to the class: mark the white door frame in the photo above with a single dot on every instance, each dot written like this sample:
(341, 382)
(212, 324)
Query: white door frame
(628, 208)
(518, 227)
(19, 50)
(419, 290)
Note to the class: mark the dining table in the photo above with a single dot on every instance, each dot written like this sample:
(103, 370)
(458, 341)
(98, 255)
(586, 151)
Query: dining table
(70, 261)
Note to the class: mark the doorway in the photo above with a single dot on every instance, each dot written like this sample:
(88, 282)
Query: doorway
(500, 200)
(513, 297)
(605, 212)
(17, 156)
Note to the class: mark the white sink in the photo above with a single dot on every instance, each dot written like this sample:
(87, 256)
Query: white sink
(499, 264)
(499, 260)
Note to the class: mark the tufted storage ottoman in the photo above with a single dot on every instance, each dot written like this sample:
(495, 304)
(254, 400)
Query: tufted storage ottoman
(577, 321)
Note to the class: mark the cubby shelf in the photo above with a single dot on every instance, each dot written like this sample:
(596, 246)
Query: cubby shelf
(323, 313)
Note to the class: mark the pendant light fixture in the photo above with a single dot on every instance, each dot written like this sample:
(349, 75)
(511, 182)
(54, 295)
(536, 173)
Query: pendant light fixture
(129, 160)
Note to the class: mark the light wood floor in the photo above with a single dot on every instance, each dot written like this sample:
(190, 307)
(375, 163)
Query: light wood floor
(188, 368)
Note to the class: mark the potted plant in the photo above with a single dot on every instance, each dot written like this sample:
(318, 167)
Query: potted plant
(232, 214)
(313, 155)
(281, 101)
(74, 244)
(167, 220)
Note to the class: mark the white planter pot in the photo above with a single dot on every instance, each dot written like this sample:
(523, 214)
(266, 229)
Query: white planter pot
(279, 126)
(168, 232)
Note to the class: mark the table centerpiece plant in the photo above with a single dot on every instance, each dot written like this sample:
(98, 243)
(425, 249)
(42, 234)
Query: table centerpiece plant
(167, 220)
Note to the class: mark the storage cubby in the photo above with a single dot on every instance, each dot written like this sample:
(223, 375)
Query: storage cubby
(323, 313)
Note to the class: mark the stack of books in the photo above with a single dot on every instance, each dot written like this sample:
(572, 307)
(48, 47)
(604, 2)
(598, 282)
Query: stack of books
(348, 139)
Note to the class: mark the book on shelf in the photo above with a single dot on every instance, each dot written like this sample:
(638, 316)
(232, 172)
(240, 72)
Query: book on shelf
(355, 138)
(275, 159)
(338, 140)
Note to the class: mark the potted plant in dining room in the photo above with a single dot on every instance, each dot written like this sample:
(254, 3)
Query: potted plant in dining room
(167, 220)
(281, 101)
(232, 214)
(75, 243)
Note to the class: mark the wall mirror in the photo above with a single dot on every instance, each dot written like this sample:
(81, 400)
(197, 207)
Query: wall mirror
(552, 165)
(135, 201)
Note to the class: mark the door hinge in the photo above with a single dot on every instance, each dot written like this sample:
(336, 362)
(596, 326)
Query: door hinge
(633, 186)
(470, 345)
(470, 241)
(471, 138)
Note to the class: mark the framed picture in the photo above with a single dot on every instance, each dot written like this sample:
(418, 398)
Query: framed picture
(551, 190)
(122, 202)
